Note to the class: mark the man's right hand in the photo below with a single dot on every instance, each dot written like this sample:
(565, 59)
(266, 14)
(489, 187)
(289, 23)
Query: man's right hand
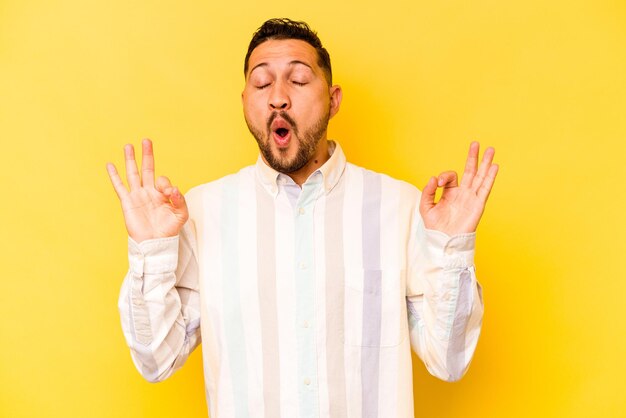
(150, 210)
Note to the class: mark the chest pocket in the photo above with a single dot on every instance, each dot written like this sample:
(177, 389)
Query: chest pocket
(375, 307)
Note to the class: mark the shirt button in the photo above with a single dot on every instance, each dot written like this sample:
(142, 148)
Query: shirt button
(305, 324)
(302, 266)
(301, 211)
(307, 381)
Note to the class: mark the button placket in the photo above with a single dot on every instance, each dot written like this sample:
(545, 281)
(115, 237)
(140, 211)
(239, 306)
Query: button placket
(304, 230)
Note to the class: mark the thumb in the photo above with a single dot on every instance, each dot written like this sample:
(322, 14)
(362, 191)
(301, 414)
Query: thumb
(162, 184)
(427, 201)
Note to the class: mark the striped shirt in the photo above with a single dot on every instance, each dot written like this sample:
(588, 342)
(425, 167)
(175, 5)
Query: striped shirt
(307, 300)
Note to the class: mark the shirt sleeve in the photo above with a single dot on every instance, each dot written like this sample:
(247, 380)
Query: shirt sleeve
(159, 303)
(444, 301)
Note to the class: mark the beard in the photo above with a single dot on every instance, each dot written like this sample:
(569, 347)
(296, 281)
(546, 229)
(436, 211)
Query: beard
(306, 143)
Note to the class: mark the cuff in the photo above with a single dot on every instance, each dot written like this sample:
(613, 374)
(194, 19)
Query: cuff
(153, 256)
(455, 251)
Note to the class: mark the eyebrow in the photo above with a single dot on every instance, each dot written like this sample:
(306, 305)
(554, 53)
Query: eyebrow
(294, 62)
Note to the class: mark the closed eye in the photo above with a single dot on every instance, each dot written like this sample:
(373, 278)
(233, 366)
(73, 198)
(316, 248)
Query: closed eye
(297, 83)
(263, 86)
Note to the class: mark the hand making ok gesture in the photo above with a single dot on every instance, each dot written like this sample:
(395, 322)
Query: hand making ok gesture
(150, 210)
(461, 205)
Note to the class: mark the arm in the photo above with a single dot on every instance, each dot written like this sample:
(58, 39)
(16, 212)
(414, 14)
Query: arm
(159, 300)
(444, 300)
(160, 304)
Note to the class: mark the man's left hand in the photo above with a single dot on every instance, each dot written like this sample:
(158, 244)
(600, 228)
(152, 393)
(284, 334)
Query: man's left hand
(461, 205)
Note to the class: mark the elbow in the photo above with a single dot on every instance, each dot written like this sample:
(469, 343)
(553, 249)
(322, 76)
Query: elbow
(153, 378)
(148, 368)
(154, 375)
(448, 374)
(456, 375)
(452, 368)
(458, 364)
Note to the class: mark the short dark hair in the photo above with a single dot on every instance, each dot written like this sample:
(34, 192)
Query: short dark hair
(283, 28)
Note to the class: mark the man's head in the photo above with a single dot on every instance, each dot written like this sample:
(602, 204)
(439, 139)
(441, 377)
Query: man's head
(288, 99)
(278, 29)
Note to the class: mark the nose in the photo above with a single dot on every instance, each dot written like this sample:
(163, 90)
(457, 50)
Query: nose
(279, 97)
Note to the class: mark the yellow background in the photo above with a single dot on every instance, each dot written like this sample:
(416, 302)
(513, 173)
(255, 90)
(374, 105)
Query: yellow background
(542, 81)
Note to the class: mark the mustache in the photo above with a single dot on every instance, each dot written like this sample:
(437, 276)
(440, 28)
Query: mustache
(285, 116)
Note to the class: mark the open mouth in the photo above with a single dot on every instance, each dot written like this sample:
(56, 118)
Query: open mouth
(282, 137)
(281, 132)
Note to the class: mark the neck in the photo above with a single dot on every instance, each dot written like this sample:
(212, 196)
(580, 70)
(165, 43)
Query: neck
(317, 160)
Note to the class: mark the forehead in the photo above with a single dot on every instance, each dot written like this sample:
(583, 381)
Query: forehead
(283, 51)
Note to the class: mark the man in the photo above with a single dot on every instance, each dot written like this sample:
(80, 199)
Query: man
(307, 279)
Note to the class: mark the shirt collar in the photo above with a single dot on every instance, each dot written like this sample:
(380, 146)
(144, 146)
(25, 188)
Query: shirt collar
(331, 170)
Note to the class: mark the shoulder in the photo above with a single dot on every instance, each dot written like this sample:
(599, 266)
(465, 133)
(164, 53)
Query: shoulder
(389, 185)
(212, 192)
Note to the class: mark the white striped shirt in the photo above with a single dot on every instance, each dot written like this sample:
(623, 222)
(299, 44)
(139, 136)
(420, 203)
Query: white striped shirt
(307, 301)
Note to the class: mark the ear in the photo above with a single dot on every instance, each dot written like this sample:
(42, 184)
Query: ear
(336, 94)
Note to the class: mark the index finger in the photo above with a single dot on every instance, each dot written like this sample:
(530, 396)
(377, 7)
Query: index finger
(471, 165)
(147, 163)
(118, 185)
